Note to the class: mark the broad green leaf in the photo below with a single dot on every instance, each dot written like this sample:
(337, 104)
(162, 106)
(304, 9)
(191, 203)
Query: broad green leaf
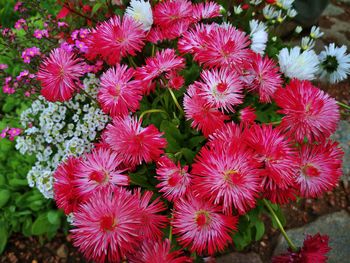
(4, 197)
(3, 237)
(260, 230)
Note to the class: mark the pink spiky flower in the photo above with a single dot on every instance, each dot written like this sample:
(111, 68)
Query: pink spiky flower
(320, 167)
(203, 116)
(201, 226)
(118, 93)
(115, 39)
(221, 88)
(107, 225)
(158, 252)
(227, 176)
(99, 170)
(59, 75)
(315, 249)
(309, 112)
(133, 143)
(65, 193)
(206, 10)
(152, 221)
(261, 75)
(247, 115)
(174, 180)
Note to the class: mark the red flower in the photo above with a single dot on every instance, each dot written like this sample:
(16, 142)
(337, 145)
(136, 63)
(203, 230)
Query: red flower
(314, 249)
(309, 112)
(118, 93)
(59, 75)
(133, 143)
(206, 10)
(203, 116)
(174, 180)
(320, 167)
(65, 194)
(201, 226)
(107, 225)
(227, 176)
(99, 170)
(247, 115)
(115, 39)
(158, 252)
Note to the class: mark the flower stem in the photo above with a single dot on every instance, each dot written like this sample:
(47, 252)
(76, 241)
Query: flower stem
(132, 62)
(171, 229)
(279, 224)
(151, 111)
(343, 105)
(175, 101)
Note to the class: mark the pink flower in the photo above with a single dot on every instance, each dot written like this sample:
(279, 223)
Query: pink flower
(320, 167)
(65, 194)
(118, 93)
(81, 46)
(62, 24)
(165, 61)
(21, 23)
(309, 112)
(158, 252)
(206, 10)
(59, 75)
(201, 226)
(152, 221)
(174, 180)
(261, 75)
(13, 132)
(133, 143)
(115, 39)
(247, 115)
(3, 133)
(99, 170)
(227, 176)
(3, 66)
(203, 116)
(314, 249)
(107, 225)
(29, 53)
(220, 88)
(39, 34)
(229, 134)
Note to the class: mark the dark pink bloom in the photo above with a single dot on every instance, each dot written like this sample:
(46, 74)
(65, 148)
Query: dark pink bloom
(247, 115)
(227, 176)
(115, 39)
(174, 180)
(65, 194)
(260, 74)
(107, 225)
(315, 249)
(201, 226)
(220, 88)
(133, 143)
(203, 116)
(152, 221)
(309, 112)
(119, 94)
(99, 170)
(39, 34)
(59, 75)
(206, 10)
(320, 167)
(29, 53)
(158, 252)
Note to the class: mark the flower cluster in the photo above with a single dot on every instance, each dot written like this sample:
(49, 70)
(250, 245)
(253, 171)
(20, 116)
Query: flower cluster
(55, 131)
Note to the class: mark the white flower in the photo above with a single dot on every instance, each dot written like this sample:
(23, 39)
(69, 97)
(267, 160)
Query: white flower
(141, 11)
(298, 29)
(315, 32)
(292, 12)
(297, 64)
(334, 63)
(307, 43)
(270, 13)
(255, 2)
(258, 36)
(285, 4)
(237, 9)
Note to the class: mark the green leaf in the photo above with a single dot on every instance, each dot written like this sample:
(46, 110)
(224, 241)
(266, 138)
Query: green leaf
(54, 217)
(3, 237)
(4, 197)
(172, 135)
(41, 225)
(96, 8)
(260, 230)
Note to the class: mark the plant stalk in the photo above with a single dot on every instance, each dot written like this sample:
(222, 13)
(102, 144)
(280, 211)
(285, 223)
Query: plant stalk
(175, 101)
(343, 105)
(151, 111)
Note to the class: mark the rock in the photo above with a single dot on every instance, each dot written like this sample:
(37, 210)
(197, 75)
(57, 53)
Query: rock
(239, 258)
(345, 1)
(336, 225)
(333, 10)
(342, 135)
(62, 251)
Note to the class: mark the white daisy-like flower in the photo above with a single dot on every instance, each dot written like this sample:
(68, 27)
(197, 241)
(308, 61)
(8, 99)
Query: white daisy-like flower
(292, 12)
(307, 43)
(237, 9)
(334, 63)
(285, 4)
(141, 11)
(270, 12)
(258, 35)
(298, 29)
(297, 64)
(255, 2)
(316, 32)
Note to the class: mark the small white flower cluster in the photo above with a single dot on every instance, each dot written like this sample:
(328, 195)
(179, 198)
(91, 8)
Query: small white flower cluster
(57, 130)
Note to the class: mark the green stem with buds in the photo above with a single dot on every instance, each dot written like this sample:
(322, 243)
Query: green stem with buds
(279, 224)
